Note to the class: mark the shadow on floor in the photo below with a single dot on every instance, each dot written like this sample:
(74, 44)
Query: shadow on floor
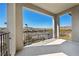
(39, 50)
(68, 48)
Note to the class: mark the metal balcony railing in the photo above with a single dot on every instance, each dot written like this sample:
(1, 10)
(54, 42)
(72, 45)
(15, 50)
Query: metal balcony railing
(4, 44)
(34, 37)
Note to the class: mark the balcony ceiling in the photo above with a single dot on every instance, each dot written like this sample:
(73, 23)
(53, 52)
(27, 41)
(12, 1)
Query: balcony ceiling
(55, 7)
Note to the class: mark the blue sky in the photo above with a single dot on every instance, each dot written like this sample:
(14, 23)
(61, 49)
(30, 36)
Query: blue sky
(66, 20)
(3, 13)
(34, 19)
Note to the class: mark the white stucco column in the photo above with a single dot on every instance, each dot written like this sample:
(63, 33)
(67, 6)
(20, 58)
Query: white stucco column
(53, 27)
(14, 22)
(75, 24)
(56, 27)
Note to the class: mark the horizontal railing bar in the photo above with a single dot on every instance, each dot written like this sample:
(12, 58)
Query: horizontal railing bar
(3, 33)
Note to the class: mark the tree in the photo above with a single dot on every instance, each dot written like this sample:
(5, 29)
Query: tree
(26, 25)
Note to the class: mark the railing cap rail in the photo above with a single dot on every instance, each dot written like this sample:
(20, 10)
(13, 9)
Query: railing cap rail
(3, 33)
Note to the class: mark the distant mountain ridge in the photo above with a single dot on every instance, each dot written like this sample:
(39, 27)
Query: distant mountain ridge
(30, 28)
(66, 27)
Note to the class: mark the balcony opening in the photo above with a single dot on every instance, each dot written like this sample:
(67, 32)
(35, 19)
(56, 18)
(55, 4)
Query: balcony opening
(37, 27)
(4, 35)
(3, 17)
(66, 26)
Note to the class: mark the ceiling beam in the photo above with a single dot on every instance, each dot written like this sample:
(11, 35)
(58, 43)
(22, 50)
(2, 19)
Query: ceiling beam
(68, 10)
(34, 7)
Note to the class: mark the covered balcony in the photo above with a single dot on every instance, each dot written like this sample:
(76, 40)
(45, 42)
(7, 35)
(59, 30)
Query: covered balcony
(53, 47)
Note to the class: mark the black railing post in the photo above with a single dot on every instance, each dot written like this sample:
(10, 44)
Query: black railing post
(1, 44)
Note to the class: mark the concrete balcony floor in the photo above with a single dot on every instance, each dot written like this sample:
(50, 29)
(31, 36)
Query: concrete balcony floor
(51, 47)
